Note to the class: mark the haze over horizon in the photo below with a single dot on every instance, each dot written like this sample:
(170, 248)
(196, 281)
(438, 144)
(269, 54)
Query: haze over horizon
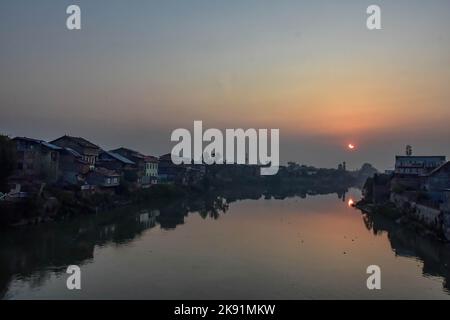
(138, 70)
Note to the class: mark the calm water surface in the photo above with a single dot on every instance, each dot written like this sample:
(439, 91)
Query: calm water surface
(296, 248)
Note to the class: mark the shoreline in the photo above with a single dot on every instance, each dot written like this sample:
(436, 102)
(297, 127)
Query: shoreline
(401, 218)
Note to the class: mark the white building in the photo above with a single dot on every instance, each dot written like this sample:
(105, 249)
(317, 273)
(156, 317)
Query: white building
(417, 165)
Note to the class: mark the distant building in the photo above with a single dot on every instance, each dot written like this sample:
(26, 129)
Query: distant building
(114, 161)
(36, 160)
(72, 167)
(417, 165)
(184, 174)
(147, 166)
(437, 183)
(377, 188)
(151, 170)
(103, 178)
(123, 166)
(168, 172)
(439, 178)
(85, 148)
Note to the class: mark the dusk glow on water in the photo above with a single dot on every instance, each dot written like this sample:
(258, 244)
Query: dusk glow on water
(313, 248)
(188, 152)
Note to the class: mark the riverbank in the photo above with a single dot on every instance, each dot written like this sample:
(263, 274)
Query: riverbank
(404, 218)
(54, 204)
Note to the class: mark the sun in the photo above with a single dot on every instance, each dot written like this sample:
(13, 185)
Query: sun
(351, 146)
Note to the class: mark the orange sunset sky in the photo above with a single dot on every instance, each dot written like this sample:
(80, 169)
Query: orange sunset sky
(138, 70)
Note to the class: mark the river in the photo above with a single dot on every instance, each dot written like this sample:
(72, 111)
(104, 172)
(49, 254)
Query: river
(313, 247)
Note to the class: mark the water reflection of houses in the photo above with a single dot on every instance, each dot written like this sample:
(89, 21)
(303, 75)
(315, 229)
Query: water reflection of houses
(52, 247)
(407, 243)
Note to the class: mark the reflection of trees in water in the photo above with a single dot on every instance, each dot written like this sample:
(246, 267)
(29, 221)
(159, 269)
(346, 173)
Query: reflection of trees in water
(374, 226)
(214, 209)
(32, 254)
(405, 242)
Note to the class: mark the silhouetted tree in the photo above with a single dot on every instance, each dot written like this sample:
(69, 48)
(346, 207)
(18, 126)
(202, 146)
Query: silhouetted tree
(7, 158)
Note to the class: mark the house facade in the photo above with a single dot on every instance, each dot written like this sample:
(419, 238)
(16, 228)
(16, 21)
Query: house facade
(123, 166)
(37, 160)
(88, 151)
(437, 183)
(417, 165)
(103, 178)
(72, 167)
(185, 174)
(151, 170)
(146, 166)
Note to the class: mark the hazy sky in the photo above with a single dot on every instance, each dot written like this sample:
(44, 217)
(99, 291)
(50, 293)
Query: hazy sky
(139, 69)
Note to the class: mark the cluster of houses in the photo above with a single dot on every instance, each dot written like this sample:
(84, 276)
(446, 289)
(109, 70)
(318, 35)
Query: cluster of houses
(74, 162)
(419, 186)
(427, 175)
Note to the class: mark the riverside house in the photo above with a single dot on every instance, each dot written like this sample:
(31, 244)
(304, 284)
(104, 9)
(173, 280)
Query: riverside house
(146, 166)
(417, 165)
(151, 171)
(184, 174)
(126, 168)
(437, 183)
(37, 160)
(103, 178)
(72, 168)
(88, 151)
(410, 171)
(420, 190)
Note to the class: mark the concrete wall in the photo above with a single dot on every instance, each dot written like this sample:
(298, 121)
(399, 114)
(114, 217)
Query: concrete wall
(429, 216)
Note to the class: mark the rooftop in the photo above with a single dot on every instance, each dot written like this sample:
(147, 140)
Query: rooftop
(78, 140)
(41, 142)
(118, 157)
(442, 166)
(421, 157)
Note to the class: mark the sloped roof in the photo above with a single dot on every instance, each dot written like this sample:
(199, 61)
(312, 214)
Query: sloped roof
(73, 152)
(78, 140)
(120, 158)
(134, 153)
(421, 157)
(150, 159)
(442, 166)
(41, 142)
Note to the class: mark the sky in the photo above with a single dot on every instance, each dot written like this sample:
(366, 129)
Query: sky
(137, 70)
